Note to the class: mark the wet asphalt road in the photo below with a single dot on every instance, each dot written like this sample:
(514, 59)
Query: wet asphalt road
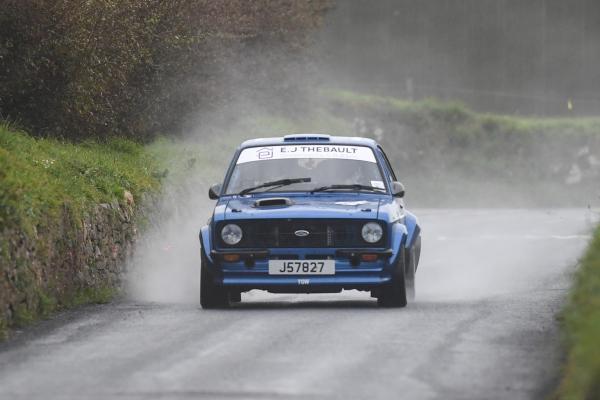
(483, 326)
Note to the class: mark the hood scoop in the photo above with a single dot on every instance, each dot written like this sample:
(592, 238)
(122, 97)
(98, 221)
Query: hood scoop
(274, 201)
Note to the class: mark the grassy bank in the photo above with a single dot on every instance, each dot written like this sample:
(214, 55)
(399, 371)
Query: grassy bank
(471, 159)
(582, 325)
(39, 176)
(50, 194)
(450, 109)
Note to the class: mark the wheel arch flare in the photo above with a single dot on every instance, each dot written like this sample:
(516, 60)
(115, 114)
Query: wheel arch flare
(413, 229)
(205, 242)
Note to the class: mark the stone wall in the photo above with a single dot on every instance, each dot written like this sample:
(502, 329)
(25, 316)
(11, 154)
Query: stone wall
(69, 259)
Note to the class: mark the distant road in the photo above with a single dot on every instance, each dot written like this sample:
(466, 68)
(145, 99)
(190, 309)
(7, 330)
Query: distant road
(483, 327)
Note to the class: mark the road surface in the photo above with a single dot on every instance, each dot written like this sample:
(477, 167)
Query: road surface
(483, 326)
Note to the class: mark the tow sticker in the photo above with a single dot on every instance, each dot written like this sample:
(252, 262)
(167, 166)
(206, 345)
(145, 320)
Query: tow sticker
(360, 153)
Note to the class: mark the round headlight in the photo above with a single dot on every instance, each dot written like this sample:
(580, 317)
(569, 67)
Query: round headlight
(372, 232)
(231, 234)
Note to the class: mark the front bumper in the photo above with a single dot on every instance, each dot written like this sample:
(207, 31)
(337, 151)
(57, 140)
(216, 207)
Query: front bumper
(251, 271)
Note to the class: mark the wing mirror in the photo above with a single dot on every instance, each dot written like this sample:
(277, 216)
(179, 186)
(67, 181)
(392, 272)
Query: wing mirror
(397, 189)
(214, 191)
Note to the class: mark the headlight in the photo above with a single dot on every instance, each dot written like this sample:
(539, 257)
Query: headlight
(372, 232)
(231, 234)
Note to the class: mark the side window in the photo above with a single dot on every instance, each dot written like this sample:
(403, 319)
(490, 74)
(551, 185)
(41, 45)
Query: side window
(387, 164)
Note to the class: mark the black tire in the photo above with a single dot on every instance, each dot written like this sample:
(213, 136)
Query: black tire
(393, 294)
(211, 295)
(410, 272)
(235, 297)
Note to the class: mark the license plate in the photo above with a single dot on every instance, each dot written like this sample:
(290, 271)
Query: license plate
(301, 267)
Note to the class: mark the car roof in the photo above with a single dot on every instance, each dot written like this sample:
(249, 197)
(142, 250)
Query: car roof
(309, 138)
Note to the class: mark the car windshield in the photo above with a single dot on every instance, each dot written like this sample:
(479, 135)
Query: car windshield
(317, 165)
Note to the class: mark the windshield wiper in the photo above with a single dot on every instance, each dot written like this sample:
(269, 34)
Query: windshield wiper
(278, 183)
(355, 186)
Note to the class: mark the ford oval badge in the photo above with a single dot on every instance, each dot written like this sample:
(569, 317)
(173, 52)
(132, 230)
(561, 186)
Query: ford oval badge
(302, 233)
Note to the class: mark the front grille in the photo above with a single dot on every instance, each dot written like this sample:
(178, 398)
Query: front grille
(273, 233)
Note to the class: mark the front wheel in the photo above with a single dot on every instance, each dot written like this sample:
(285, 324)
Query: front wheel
(211, 295)
(393, 294)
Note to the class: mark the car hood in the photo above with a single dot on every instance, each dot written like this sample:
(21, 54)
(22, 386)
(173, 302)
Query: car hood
(313, 206)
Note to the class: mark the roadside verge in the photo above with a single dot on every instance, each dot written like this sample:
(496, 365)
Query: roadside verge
(69, 215)
(581, 375)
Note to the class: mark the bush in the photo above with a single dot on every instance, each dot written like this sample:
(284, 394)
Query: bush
(136, 67)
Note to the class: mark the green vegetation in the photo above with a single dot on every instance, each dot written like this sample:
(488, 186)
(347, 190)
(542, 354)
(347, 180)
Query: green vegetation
(38, 177)
(582, 324)
(134, 67)
(457, 113)
(48, 190)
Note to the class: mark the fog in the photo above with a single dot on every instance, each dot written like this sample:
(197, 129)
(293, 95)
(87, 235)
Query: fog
(509, 56)
(165, 265)
(484, 53)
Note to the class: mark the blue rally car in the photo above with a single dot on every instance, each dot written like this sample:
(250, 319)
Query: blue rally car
(309, 214)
